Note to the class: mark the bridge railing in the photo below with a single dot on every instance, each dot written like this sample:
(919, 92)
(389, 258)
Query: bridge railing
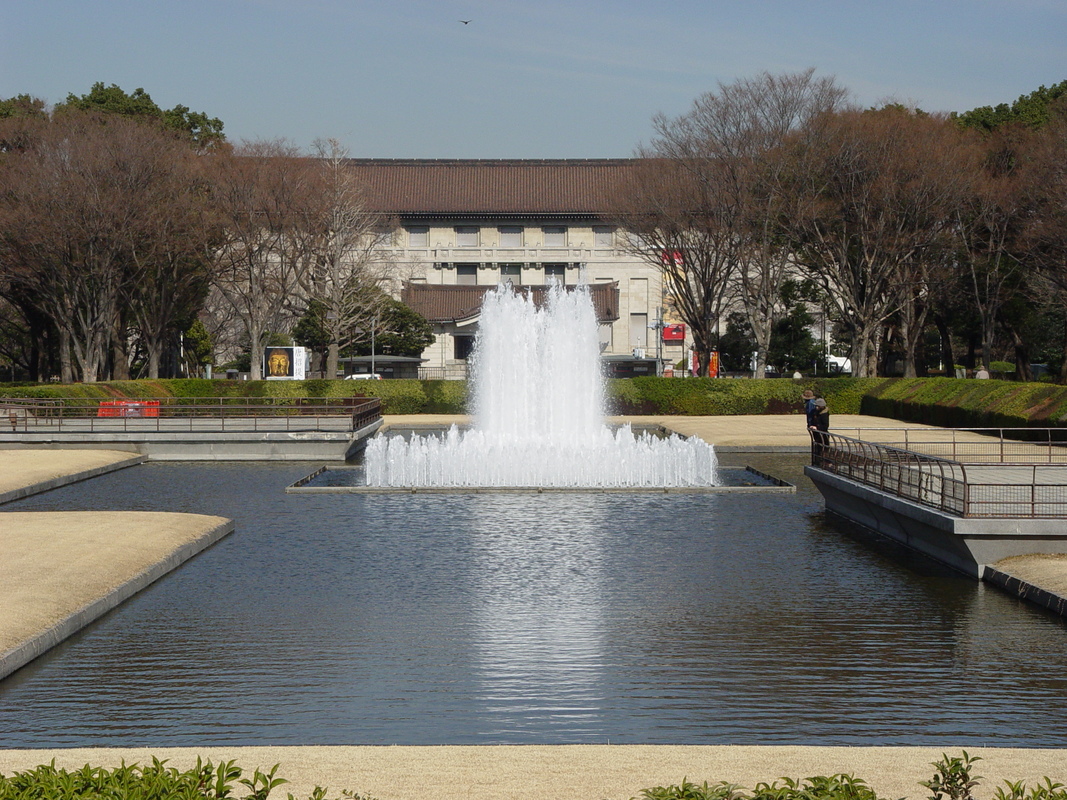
(189, 413)
(929, 480)
(973, 445)
(982, 487)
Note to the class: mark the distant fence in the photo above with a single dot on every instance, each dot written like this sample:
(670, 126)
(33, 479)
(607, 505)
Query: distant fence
(995, 478)
(190, 413)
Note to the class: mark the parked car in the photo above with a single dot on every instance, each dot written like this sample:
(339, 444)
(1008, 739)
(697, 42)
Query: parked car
(364, 376)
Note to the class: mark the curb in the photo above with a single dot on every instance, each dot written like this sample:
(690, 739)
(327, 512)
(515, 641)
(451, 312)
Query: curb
(63, 480)
(1026, 591)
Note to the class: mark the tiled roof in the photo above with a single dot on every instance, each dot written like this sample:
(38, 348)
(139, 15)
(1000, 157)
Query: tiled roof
(439, 303)
(408, 187)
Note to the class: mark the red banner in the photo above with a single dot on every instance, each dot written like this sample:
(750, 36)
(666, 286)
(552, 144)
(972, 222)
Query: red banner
(713, 364)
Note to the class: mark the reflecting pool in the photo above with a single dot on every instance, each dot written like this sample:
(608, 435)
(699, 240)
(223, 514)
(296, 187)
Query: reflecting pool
(555, 618)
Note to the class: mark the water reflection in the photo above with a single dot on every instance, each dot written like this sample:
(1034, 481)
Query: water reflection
(538, 634)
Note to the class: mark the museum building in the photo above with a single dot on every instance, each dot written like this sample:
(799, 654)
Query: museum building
(465, 226)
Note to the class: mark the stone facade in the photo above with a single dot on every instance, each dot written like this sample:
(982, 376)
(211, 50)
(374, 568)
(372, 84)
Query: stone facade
(481, 223)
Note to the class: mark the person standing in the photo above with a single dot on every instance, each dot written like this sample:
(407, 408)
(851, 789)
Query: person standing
(818, 425)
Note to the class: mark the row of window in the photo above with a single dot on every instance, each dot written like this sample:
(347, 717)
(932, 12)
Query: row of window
(509, 236)
(467, 274)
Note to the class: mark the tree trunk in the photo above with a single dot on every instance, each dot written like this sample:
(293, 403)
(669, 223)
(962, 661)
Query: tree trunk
(1022, 357)
(153, 348)
(255, 338)
(858, 353)
(66, 366)
(331, 361)
(120, 357)
(948, 358)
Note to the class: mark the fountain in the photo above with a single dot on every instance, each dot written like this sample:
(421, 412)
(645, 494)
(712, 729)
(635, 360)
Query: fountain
(538, 403)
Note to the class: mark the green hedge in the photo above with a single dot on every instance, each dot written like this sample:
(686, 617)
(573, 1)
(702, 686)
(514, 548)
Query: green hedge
(951, 402)
(398, 396)
(714, 397)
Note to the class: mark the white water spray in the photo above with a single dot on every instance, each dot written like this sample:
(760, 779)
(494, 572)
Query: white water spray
(538, 400)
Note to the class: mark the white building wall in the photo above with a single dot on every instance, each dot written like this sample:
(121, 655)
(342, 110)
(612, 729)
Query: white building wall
(434, 257)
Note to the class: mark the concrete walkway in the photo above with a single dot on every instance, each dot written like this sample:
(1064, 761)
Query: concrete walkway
(50, 560)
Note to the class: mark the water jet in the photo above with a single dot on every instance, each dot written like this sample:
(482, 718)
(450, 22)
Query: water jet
(538, 410)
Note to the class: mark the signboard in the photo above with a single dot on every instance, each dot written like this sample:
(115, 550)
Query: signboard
(674, 333)
(285, 363)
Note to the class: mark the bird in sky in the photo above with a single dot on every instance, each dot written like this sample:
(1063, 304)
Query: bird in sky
(466, 21)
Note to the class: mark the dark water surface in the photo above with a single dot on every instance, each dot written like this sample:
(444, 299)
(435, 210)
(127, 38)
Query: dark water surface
(563, 618)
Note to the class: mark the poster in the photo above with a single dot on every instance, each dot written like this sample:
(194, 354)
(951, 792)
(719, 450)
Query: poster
(285, 363)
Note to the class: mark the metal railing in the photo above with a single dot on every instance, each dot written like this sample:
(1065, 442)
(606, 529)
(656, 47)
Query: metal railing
(982, 487)
(199, 414)
(974, 445)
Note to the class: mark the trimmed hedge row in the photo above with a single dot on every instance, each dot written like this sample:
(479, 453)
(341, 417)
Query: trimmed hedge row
(958, 403)
(951, 402)
(716, 397)
(398, 396)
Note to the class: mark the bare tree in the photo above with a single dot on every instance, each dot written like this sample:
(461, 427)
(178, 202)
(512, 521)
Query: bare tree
(265, 195)
(1044, 187)
(681, 221)
(866, 194)
(74, 196)
(170, 250)
(349, 262)
(706, 204)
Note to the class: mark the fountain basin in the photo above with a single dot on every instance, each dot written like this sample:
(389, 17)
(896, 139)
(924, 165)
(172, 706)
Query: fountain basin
(351, 480)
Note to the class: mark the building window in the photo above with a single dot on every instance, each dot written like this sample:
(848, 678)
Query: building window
(555, 273)
(467, 274)
(638, 331)
(511, 272)
(419, 236)
(606, 332)
(466, 236)
(511, 236)
(603, 236)
(555, 236)
(463, 346)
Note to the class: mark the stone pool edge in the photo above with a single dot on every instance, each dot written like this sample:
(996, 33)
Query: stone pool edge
(41, 642)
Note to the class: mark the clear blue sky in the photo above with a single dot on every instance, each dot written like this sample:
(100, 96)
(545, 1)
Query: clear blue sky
(529, 79)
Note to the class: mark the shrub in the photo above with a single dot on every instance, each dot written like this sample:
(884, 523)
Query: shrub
(153, 782)
(961, 403)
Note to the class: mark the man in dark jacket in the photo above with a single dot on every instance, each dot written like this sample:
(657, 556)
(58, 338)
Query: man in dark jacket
(818, 425)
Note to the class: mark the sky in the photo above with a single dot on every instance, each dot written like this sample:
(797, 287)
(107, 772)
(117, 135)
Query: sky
(534, 79)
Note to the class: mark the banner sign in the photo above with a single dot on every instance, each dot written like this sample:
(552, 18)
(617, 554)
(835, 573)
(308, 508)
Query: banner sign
(285, 363)
(674, 333)
(713, 363)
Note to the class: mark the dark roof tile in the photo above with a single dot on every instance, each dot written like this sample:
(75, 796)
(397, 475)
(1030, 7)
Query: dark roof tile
(479, 187)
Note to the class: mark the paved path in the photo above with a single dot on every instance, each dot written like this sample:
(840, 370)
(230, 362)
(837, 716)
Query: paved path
(48, 558)
(576, 772)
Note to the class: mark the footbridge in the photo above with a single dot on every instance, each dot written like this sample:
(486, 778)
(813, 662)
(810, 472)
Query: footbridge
(966, 497)
(196, 428)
